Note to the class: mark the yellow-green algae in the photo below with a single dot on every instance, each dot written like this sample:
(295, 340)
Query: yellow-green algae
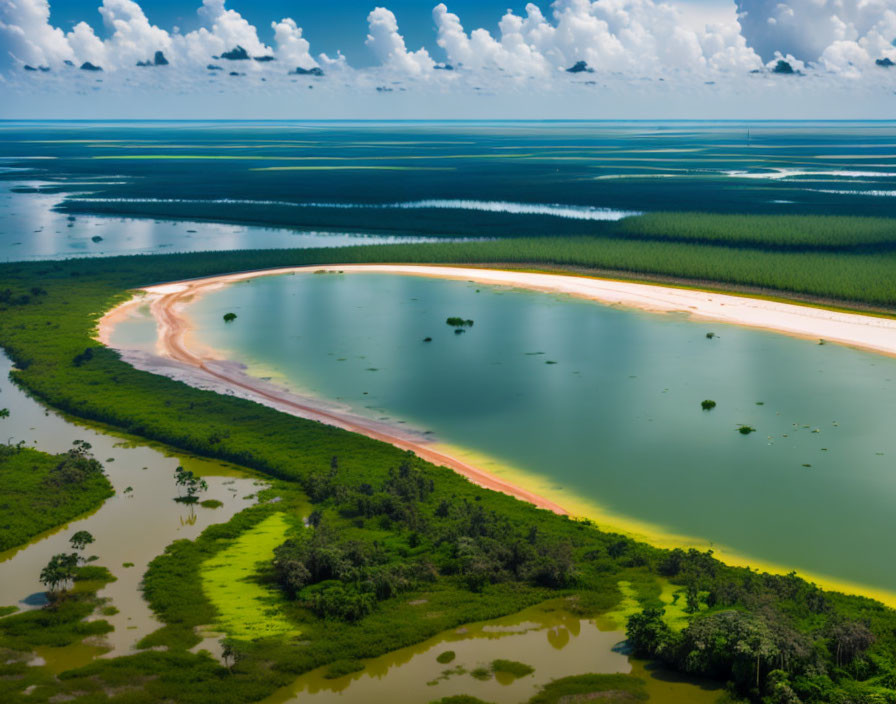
(246, 608)
(546, 487)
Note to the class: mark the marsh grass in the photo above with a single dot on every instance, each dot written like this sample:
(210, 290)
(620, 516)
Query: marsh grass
(612, 689)
(750, 230)
(512, 668)
(341, 668)
(38, 494)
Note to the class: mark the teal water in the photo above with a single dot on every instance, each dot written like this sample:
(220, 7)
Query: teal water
(616, 419)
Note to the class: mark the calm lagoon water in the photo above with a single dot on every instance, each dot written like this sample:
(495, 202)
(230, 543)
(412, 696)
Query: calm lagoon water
(602, 405)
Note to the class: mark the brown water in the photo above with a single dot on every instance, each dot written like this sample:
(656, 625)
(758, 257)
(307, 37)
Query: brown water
(547, 637)
(131, 527)
(135, 526)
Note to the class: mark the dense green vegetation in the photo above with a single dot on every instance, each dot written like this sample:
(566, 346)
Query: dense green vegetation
(856, 278)
(811, 232)
(40, 491)
(395, 550)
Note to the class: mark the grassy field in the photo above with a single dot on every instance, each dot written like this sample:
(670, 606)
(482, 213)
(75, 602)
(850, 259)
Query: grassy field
(231, 581)
(39, 492)
(485, 553)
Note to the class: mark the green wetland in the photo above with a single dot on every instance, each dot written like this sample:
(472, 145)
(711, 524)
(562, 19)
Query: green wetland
(321, 565)
(131, 527)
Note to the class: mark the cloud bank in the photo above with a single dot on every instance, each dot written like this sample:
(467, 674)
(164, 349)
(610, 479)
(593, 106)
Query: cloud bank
(615, 45)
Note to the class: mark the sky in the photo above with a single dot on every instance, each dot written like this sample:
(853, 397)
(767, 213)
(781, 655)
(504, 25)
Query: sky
(407, 59)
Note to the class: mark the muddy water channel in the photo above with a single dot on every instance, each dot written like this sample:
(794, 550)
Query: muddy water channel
(136, 525)
(131, 528)
(546, 637)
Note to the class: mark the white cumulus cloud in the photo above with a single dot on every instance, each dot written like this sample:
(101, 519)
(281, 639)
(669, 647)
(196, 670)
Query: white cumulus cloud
(621, 48)
(292, 48)
(639, 37)
(388, 45)
(811, 29)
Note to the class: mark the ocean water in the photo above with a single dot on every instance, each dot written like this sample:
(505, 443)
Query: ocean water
(602, 406)
(161, 186)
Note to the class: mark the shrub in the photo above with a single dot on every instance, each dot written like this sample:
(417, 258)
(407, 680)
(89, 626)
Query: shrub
(512, 667)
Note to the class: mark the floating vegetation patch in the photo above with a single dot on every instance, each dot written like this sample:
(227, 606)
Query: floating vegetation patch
(230, 580)
(446, 657)
(511, 667)
(613, 689)
(458, 322)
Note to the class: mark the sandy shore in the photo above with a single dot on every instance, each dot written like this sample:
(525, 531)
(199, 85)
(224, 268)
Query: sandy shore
(179, 356)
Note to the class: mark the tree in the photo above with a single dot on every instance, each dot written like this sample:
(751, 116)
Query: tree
(60, 570)
(851, 639)
(692, 596)
(647, 632)
(4, 413)
(230, 654)
(229, 317)
(81, 540)
(190, 483)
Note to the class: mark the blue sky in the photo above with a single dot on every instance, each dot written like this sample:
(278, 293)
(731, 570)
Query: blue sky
(339, 25)
(416, 59)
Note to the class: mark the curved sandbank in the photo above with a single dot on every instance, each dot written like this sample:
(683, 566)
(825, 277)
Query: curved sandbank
(180, 356)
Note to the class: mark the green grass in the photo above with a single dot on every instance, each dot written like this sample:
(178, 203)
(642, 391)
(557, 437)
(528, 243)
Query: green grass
(36, 497)
(607, 689)
(511, 667)
(231, 580)
(341, 668)
(64, 622)
(446, 657)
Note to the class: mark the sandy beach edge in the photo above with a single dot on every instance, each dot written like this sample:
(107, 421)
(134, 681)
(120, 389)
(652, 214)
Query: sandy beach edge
(179, 356)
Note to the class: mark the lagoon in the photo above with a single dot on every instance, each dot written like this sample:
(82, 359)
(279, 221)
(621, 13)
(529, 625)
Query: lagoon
(599, 408)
